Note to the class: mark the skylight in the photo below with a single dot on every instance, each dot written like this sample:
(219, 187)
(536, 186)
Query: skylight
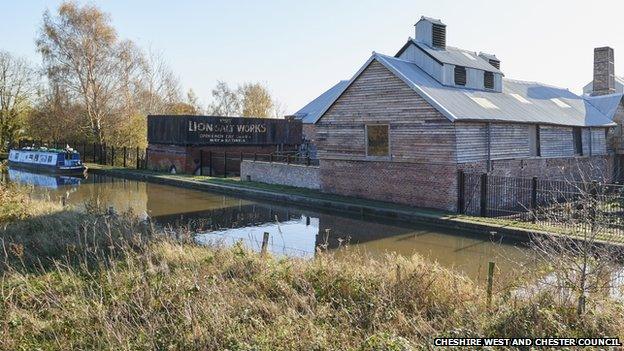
(560, 103)
(520, 98)
(483, 102)
(469, 56)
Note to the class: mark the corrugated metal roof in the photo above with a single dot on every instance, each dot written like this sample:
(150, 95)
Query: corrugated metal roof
(468, 105)
(607, 104)
(456, 56)
(432, 20)
(311, 112)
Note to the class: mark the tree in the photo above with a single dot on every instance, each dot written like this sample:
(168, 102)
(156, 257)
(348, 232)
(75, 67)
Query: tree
(226, 101)
(160, 87)
(17, 85)
(255, 100)
(579, 258)
(81, 52)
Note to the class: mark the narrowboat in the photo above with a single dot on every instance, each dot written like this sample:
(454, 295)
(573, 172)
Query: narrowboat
(58, 161)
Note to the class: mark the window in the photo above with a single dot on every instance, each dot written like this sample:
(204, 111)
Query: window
(494, 63)
(534, 140)
(460, 75)
(377, 140)
(577, 136)
(483, 102)
(520, 98)
(488, 80)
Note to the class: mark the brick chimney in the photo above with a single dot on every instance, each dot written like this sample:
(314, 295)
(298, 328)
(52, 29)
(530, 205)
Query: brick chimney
(604, 72)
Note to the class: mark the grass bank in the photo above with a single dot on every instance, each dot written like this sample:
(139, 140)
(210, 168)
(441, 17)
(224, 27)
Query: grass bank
(107, 281)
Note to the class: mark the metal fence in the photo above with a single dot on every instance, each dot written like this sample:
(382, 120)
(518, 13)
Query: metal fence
(227, 164)
(547, 202)
(210, 163)
(128, 157)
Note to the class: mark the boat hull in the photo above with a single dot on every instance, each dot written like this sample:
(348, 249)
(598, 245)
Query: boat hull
(52, 169)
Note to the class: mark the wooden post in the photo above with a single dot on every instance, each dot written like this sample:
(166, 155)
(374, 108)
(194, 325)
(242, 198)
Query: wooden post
(63, 201)
(201, 162)
(94, 152)
(307, 220)
(137, 157)
(224, 164)
(265, 243)
(534, 199)
(288, 159)
(271, 157)
(112, 155)
(484, 194)
(490, 282)
(255, 156)
(125, 151)
(308, 160)
(461, 181)
(145, 165)
(84, 151)
(241, 157)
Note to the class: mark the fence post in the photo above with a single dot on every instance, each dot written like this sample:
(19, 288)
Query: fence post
(265, 243)
(84, 151)
(271, 157)
(288, 159)
(255, 156)
(484, 194)
(490, 282)
(145, 165)
(210, 159)
(461, 181)
(241, 157)
(224, 164)
(534, 199)
(125, 150)
(137, 157)
(308, 160)
(112, 155)
(201, 162)
(94, 152)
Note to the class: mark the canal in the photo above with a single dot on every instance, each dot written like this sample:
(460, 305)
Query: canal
(294, 231)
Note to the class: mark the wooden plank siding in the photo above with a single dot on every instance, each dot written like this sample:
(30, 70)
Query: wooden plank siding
(418, 132)
(556, 141)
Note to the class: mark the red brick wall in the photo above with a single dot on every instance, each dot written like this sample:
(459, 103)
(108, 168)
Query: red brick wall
(186, 158)
(419, 185)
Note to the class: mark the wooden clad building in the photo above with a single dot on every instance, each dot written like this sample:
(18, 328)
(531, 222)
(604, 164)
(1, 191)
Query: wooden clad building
(403, 126)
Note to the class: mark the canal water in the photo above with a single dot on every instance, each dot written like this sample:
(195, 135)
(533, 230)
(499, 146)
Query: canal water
(294, 231)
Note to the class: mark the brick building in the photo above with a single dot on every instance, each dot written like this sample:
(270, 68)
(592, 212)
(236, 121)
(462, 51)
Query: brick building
(403, 126)
(200, 144)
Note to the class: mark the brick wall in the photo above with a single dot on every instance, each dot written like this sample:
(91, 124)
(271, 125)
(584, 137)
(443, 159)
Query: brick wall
(414, 184)
(280, 173)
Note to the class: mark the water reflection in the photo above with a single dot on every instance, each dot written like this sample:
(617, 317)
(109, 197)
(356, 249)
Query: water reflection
(293, 231)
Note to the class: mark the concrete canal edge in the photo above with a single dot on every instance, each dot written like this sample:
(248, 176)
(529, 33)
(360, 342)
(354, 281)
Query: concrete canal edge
(348, 205)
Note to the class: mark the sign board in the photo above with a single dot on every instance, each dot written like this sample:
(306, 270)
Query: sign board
(211, 130)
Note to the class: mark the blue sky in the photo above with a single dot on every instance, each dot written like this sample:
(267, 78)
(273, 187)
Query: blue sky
(301, 48)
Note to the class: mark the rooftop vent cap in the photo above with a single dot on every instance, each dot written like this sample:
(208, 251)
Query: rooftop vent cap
(432, 32)
(491, 59)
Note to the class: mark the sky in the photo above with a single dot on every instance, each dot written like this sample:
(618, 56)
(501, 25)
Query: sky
(301, 48)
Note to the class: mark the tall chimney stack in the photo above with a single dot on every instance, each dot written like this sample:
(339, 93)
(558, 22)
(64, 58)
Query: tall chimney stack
(604, 72)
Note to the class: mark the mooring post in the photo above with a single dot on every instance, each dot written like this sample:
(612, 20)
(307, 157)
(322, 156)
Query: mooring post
(265, 243)
(201, 162)
(125, 151)
(490, 282)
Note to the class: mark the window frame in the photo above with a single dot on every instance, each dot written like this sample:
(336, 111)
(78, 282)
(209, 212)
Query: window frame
(577, 140)
(377, 157)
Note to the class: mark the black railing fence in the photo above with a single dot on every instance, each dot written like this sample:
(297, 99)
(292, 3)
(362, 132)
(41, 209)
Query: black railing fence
(227, 164)
(209, 163)
(120, 156)
(549, 202)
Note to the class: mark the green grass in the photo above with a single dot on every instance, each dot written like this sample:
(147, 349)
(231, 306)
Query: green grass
(102, 281)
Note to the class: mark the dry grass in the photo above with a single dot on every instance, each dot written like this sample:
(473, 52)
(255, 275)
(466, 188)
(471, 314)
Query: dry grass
(115, 283)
